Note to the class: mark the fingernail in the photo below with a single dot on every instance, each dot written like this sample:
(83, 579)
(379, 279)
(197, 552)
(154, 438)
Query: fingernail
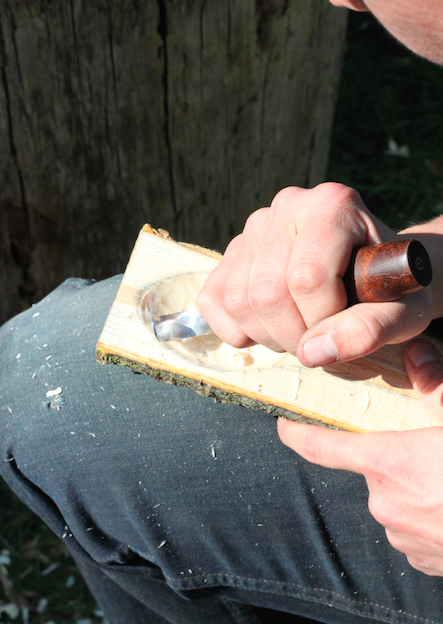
(422, 353)
(319, 351)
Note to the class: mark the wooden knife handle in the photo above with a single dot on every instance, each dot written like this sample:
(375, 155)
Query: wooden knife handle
(387, 272)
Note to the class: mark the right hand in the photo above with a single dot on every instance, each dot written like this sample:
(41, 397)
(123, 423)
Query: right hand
(403, 469)
(280, 281)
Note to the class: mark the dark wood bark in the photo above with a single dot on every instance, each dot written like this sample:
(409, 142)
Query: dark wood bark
(185, 114)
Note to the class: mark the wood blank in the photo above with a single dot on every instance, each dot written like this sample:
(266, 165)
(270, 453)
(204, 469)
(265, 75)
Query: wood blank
(368, 394)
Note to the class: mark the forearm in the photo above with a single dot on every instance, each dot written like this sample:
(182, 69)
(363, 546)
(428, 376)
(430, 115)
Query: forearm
(431, 235)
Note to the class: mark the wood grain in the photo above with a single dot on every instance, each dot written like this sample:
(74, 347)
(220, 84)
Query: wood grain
(369, 394)
(387, 272)
(186, 114)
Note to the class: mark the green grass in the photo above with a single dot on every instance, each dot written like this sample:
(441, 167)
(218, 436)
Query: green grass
(389, 93)
(37, 571)
(386, 93)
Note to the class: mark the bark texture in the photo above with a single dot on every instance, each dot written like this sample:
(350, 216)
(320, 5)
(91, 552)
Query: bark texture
(188, 114)
(206, 390)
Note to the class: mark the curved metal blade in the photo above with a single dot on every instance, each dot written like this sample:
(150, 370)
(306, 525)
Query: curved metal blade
(180, 325)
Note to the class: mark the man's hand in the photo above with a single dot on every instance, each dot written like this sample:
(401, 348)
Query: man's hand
(280, 281)
(403, 470)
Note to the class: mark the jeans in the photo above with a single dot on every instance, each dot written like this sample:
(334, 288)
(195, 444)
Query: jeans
(178, 508)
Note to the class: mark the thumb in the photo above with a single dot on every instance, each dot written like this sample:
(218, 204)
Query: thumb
(330, 448)
(362, 329)
(424, 366)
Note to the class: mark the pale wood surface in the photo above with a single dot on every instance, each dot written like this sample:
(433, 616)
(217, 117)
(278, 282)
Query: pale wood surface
(188, 115)
(370, 394)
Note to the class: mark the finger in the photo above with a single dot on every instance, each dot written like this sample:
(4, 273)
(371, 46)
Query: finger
(323, 250)
(210, 300)
(269, 294)
(296, 275)
(420, 553)
(357, 5)
(364, 328)
(236, 297)
(424, 365)
(431, 567)
(415, 543)
(340, 450)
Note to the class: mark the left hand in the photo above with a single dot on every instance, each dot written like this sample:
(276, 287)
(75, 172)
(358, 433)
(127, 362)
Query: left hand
(403, 470)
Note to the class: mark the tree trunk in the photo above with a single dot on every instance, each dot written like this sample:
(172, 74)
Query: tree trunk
(186, 114)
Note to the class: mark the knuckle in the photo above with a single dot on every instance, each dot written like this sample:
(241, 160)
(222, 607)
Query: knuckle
(414, 564)
(426, 565)
(384, 471)
(256, 219)
(377, 510)
(342, 207)
(380, 511)
(339, 194)
(305, 278)
(371, 334)
(233, 247)
(236, 338)
(204, 301)
(418, 563)
(235, 302)
(380, 467)
(396, 541)
(285, 197)
(369, 331)
(265, 294)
